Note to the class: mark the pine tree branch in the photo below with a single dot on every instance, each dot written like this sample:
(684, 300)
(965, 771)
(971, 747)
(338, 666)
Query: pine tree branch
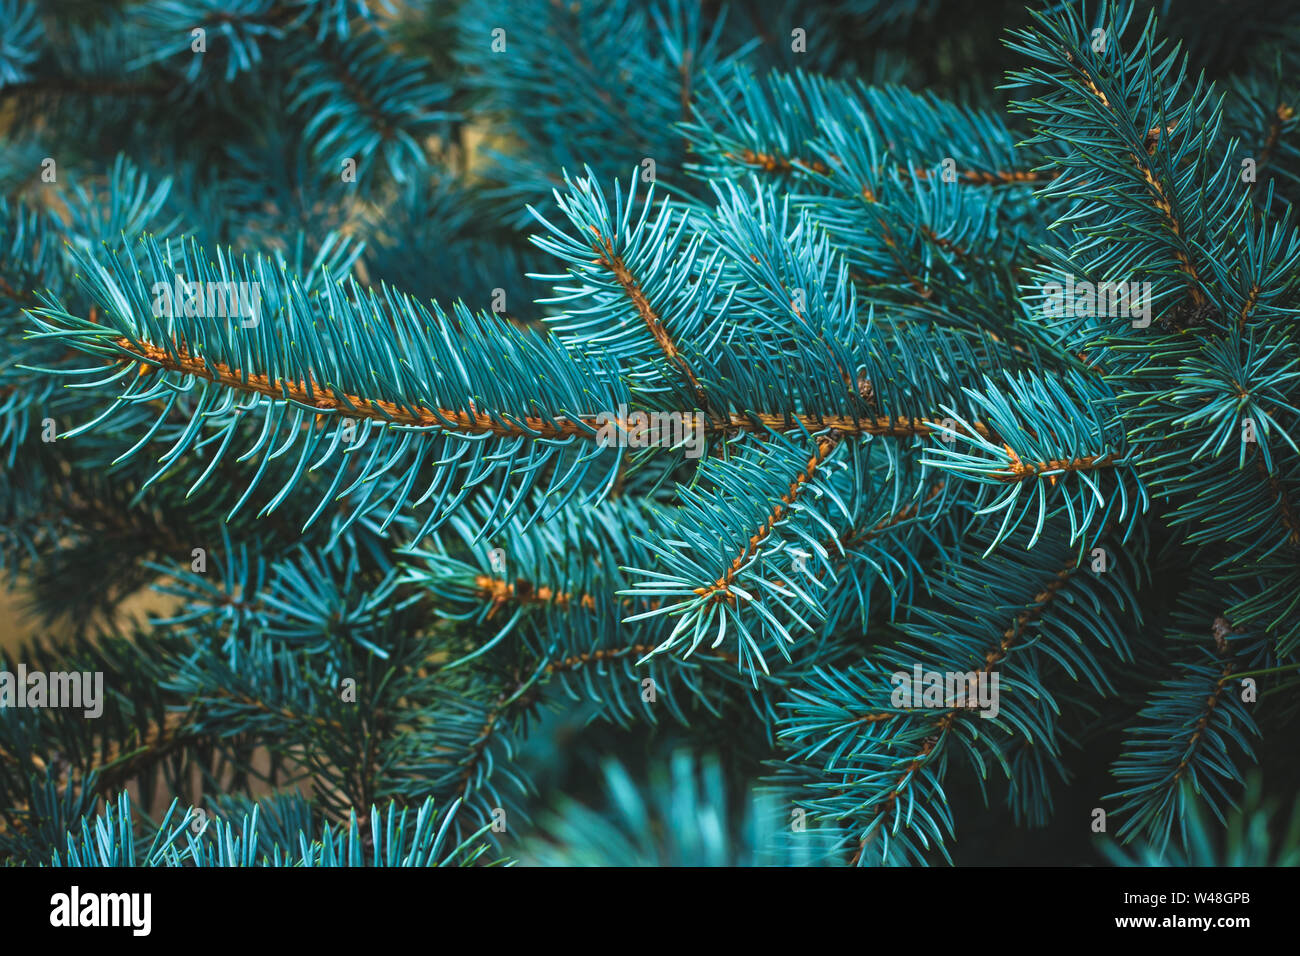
(501, 592)
(481, 742)
(906, 513)
(942, 725)
(1281, 116)
(575, 661)
(327, 401)
(772, 162)
(721, 589)
(1022, 471)
(1038, 606)
(1157, 190)
(1198, 729)
(121, 762)
(1286, 510)
(605, 250)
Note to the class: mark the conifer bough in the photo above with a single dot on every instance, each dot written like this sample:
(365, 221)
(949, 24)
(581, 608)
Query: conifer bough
(400, 553)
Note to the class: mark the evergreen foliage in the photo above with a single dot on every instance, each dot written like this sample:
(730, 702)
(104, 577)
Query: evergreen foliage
(485, 387)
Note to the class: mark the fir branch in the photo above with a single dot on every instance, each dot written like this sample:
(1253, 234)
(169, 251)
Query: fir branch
(327, 401)
(612, 261)
(1191, 728)
(721, 589)
(1151, 179)
(941, 724)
